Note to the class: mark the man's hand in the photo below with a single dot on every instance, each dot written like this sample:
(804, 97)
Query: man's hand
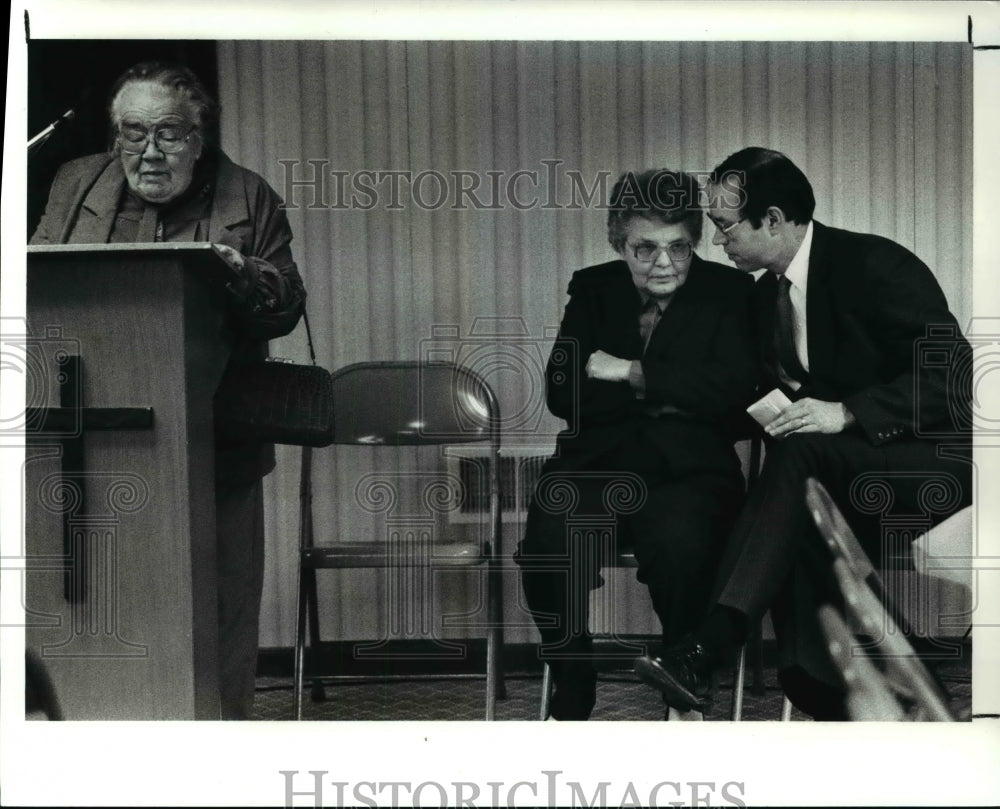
(810, 416)
(604, 366)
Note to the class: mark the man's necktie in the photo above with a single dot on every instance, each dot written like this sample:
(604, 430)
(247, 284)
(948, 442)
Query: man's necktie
(784, 333)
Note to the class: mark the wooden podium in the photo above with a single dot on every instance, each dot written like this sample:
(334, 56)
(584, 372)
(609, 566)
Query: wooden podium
(126, 347)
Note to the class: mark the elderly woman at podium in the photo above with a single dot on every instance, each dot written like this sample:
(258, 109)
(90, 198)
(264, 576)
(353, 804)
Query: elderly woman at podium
(166, 180)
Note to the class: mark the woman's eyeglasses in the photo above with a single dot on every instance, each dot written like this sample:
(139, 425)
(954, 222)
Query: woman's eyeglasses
(168, 139)
(647, 252)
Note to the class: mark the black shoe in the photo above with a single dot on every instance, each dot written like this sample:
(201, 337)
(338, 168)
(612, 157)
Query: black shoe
(682, 673)
(574, 691)
(572, 704)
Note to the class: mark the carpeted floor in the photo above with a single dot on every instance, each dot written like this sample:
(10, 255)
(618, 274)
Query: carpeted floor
(620, 697)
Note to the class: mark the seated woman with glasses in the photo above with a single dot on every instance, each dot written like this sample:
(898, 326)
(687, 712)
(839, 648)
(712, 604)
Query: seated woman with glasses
(652, 368)
(165, 179)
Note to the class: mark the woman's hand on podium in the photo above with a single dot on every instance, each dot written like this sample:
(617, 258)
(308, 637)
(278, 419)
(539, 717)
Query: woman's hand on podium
(241, 284)
(249, 281)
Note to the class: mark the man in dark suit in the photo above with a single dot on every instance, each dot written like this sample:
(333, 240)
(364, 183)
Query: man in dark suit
(840, 316)
(651, 369)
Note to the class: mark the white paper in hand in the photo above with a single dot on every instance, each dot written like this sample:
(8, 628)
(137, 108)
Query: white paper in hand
(766, 410)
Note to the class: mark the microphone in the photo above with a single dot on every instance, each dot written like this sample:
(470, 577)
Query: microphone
(66, 117)
(44, 135)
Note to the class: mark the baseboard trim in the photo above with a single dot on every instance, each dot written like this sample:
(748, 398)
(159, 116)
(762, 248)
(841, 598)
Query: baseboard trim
(422, 658)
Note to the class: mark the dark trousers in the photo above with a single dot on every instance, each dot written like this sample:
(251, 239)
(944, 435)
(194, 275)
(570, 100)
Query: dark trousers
(674, 522)
(240, 570)
(775, 558)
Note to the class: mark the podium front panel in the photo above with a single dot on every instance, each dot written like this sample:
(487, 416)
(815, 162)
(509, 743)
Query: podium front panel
(120, 519)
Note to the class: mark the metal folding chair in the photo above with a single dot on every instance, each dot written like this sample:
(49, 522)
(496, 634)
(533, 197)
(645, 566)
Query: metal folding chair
(382, 405)
(869, 697)
(868, 606)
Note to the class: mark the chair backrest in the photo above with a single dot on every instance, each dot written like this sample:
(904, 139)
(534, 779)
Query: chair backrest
(838, 535)
(412, 403)
(904, 671)
(866, 602)
(869, 696)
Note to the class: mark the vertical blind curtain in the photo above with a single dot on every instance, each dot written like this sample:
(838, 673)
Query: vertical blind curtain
(883, 131)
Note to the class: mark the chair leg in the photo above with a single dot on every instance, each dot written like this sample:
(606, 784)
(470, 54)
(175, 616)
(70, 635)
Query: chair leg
(307, 602)
(739, 677)
(300, 642)
(491, 675)
(495, 688)
(786, 710)
(546, 691)
(756, 643)
(492, 615)
(317, 693)
(501, 686)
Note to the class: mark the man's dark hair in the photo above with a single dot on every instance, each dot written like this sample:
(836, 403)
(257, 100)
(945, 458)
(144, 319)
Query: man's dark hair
(766, 178)
(176, 77)
(659, 195)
